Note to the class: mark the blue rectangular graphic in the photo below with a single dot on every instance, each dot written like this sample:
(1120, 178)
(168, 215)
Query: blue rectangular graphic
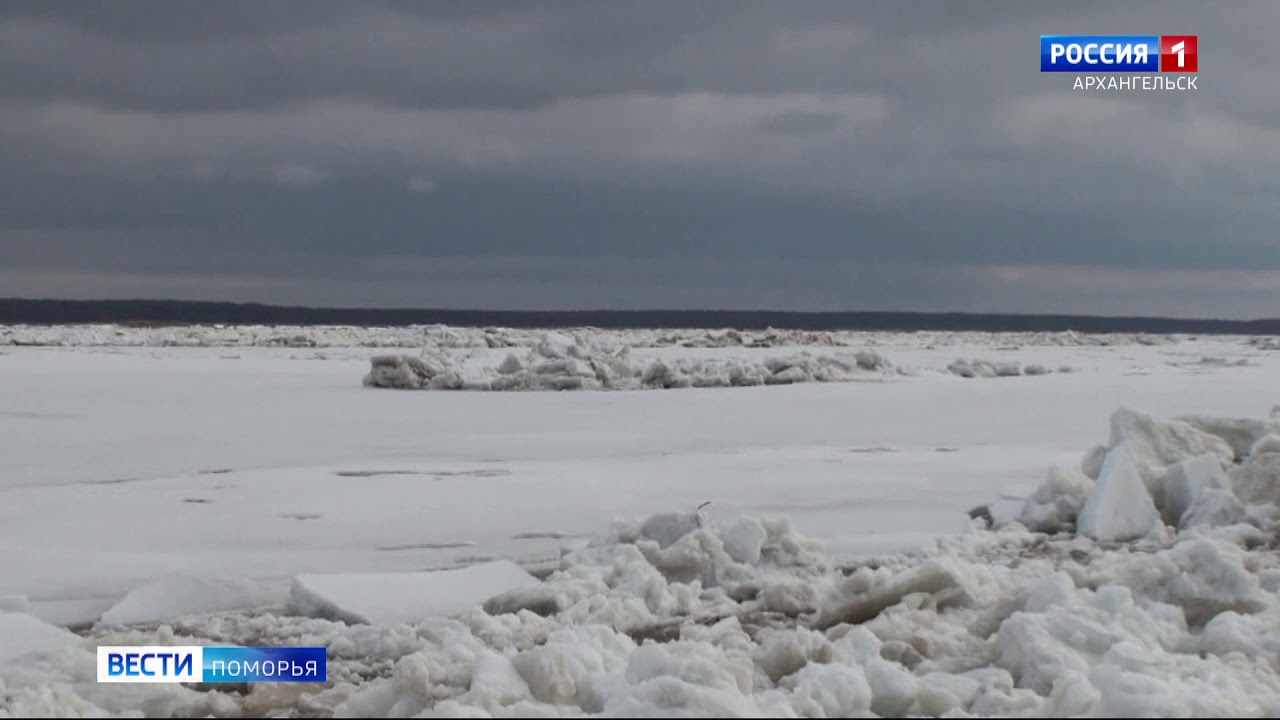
(1100, 53)
(196, 664)
(264, 664)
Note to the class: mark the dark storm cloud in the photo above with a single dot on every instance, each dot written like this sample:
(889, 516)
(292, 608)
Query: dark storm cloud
(873, 155)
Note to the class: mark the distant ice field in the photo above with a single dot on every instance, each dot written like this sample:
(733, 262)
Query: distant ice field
(121, 465)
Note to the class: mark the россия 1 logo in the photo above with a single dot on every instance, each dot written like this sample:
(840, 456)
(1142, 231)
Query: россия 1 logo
(1106, 54)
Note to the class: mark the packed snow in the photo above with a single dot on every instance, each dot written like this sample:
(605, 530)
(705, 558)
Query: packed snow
(834, 572)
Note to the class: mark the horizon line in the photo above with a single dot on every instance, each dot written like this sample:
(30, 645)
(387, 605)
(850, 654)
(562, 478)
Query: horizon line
(365, 310)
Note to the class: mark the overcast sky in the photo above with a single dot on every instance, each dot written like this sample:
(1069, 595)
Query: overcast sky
(635, 154)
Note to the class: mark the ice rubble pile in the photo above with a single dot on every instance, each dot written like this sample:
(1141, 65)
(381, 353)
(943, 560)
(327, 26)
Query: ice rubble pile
(327, 336)
(442, 336)
(1154, 474)
(680, 616)
(989, 369)
(559, 361)
(1050, 615)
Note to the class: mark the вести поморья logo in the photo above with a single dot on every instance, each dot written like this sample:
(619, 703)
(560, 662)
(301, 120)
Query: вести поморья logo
(197, 664)
(1120, 53)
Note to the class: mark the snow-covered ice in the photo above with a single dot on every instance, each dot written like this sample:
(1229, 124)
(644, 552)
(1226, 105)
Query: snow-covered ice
(834, 572)
(394, 598)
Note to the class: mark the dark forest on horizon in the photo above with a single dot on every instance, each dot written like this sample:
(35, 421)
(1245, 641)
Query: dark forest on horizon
(171, 312)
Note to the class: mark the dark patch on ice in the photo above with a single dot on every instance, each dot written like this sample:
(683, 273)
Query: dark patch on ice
(877, 449)
(115, 481)
(224, 486)
(218, 471)
(439, 474)
(541, 573)
(301, 516)
(375, 473)
(82, 628)
(197, 501)
(427, 546)
(543, 536)
(946, 450)
(1209, 361)
(471, 473)
(983, 512)
(541, 601)
(754, 622)
(469, 560)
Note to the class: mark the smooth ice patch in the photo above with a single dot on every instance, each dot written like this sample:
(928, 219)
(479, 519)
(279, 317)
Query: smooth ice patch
(395, 598)
(179, 595)
(1119, 506)
(22, 634)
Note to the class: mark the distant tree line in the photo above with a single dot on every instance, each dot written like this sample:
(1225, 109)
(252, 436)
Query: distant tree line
(169, 312)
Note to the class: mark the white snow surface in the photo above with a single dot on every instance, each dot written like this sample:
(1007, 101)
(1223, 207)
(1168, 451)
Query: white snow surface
(834, 573)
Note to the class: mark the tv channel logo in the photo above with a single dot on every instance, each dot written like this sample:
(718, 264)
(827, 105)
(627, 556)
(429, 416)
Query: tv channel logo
(1179, 53)
(197, 664)
(1120, 53)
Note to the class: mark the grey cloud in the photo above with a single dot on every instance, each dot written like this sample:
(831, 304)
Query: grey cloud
(199, 56)
(149, 140)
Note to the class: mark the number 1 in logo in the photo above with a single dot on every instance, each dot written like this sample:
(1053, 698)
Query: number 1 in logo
(1179, 53)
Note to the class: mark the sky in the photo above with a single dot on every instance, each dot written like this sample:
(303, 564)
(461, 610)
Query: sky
(631, 154)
